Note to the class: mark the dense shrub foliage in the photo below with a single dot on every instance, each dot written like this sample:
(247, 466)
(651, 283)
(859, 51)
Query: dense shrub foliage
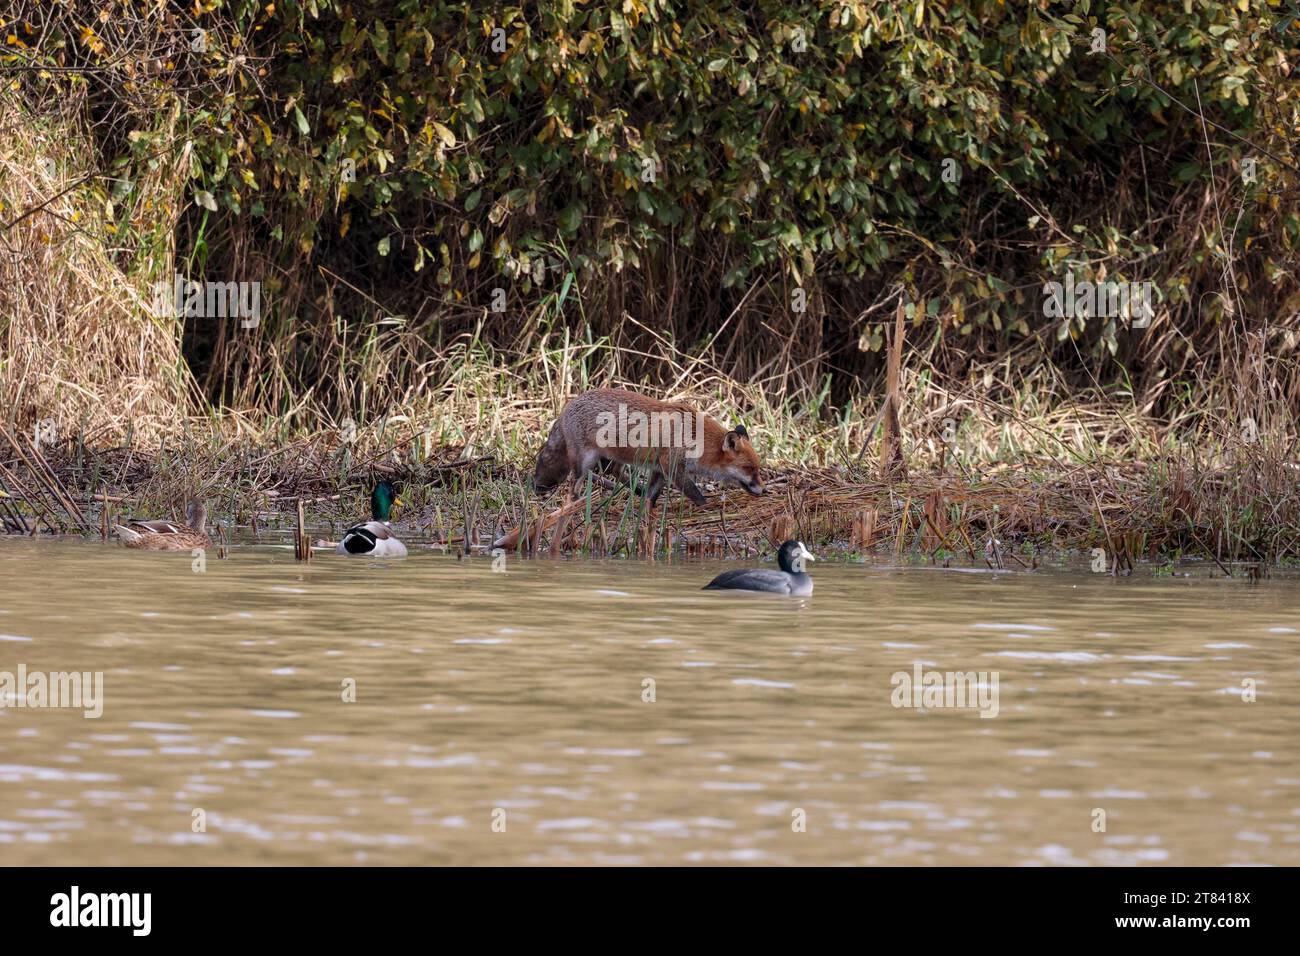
(655, 163)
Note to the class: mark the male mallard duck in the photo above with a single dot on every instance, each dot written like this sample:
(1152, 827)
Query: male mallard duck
(375, 537)
(167, 536)
(791, 579)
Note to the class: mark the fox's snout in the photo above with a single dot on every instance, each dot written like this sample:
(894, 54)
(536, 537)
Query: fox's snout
(754, 487)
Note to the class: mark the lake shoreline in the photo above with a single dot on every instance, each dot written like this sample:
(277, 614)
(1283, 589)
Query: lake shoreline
(1010, 517)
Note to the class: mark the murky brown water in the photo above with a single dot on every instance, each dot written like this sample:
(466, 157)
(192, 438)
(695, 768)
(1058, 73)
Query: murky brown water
(517, 698)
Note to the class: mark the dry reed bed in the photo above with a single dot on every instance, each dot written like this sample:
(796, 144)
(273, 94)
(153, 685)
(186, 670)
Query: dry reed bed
(1118, 510)
(79, 346)
(1249, 512)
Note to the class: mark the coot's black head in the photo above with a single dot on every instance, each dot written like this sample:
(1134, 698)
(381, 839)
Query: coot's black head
(792, 556)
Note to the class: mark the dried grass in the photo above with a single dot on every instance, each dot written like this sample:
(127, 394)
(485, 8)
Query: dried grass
(81, 348)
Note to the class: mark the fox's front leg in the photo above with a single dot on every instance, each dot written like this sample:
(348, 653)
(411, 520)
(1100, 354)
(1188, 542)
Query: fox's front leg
(675, 468)
(688, 488)
(586, 465)
(654, 489)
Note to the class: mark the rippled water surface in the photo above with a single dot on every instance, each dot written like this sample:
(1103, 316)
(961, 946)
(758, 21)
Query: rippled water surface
(501, 717)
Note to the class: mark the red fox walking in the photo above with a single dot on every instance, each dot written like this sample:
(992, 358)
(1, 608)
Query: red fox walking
(672, 440)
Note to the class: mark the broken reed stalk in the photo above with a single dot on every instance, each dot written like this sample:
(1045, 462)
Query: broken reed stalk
(863, 531)
(649, 534)
(531, 531)
(49, 484)
(936, 519)
(892, 462)
(37, 504)
(50, 480)
(301, 546)
(469, 515)
(780, 530)
(562, 524)
(13, 518)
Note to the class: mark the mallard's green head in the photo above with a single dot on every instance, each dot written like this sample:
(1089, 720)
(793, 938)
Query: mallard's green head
(382, 500)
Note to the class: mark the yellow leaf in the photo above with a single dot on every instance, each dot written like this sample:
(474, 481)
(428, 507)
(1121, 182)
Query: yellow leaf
(447, 136)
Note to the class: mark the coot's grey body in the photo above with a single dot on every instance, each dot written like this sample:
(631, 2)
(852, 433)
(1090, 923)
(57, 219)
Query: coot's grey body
(790, 580)
(761, 579)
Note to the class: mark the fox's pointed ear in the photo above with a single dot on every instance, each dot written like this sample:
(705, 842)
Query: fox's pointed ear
(729, 441)
(740, 430)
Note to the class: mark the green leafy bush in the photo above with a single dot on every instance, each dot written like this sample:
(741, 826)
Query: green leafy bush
(664, 159)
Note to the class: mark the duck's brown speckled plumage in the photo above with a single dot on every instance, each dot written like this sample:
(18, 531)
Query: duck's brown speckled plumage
(168, 535)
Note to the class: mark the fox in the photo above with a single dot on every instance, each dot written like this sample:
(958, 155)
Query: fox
(609, 426)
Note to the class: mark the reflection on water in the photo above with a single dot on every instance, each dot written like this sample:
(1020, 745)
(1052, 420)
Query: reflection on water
(520, 699)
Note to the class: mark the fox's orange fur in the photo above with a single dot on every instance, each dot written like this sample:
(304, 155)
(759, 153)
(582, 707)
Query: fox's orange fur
(572, 448)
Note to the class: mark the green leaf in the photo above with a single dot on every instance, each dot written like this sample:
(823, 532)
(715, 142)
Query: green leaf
(571, 218)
